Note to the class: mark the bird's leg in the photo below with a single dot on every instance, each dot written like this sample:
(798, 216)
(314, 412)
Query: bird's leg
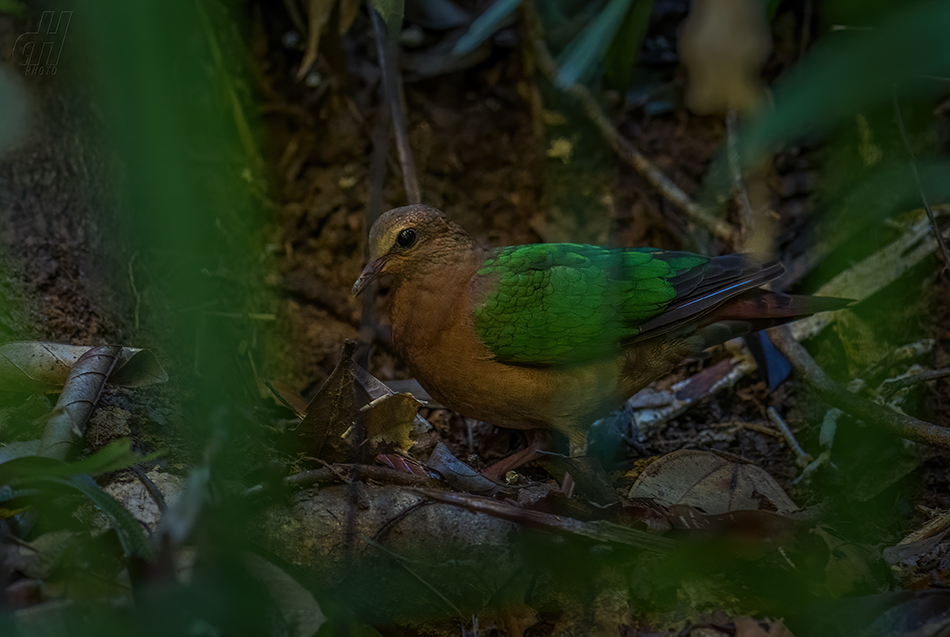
(539, 440)
(586, 471)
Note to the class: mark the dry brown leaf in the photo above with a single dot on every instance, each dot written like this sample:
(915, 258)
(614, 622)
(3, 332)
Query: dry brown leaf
(710, 483)
(389, 422)
(39, 558)
(43, 366)
(330, 417)
(318, 13)
(852, 566)
(376, 388)
(349, 9)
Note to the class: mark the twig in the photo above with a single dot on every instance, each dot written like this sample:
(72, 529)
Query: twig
(859, 282)
(368, 471)
(746, 212)
(135, 291)
(374, 207)
(600, 531)
(829, 391)
(930, 528)
(891, 387)
(344, 473)
(393, 92)
(802, 457)
(153, 490)
(621, 145)
(920, 188)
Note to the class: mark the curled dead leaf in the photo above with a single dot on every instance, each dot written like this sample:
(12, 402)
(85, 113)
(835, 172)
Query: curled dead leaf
(43, 366)
(389, 421)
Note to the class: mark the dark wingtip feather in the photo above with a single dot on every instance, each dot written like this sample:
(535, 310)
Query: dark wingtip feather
(718, 281)
(760, 304)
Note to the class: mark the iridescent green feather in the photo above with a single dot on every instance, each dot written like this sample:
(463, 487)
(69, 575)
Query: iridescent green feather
(560, 303)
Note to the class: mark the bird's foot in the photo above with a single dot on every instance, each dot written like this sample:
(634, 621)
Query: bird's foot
(539, 441)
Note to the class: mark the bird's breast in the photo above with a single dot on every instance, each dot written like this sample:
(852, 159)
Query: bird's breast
(434, 333)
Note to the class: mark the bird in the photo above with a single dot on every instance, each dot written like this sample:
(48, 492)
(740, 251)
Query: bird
(556, 335)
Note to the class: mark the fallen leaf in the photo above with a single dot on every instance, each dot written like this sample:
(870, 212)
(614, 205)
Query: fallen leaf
(297, 606)
(318, 14)
(460, 475)
(748, 627)
(42, 366)
(710, 483)
(330, 417)
(404, 464)
(388, 422)
(80, 394)
(376, 388)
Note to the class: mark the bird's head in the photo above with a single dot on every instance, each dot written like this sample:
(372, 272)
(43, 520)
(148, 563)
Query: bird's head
(408, 240)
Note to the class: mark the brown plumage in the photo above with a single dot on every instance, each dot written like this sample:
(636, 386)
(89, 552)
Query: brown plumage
(554, 336)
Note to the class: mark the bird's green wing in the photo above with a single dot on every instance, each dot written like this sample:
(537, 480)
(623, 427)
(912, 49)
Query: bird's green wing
(550, 304)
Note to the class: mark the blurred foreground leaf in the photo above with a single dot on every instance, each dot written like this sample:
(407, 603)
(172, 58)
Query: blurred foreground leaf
(485, 26)
(391, 11)
(116, 455)
(579, 57)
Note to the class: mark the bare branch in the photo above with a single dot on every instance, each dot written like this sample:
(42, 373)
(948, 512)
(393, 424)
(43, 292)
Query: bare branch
(621, 145)
(392, 87)
(829, 391)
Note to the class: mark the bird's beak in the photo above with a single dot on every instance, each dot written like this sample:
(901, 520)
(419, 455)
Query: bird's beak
(369, 274)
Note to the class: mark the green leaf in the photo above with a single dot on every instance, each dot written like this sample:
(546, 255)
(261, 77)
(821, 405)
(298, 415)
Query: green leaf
(131, 534)
(13, 7)
(117, 455)
(834, 81)
(906, 50)
(9, 493)
(485, 26)
(773, 6)
(622, 53)
(391, 11)
(579, 57)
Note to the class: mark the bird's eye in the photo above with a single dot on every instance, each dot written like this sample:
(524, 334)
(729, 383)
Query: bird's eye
(406, 238)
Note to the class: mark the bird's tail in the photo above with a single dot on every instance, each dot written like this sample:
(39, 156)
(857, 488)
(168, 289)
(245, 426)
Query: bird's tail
(758, 309)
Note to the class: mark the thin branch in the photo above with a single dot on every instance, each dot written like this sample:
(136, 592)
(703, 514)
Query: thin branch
(369, 318)
(746, 211)
(384, 475)
(803, 458)
(920, 188)
(393, 91)
(621, 145)
(891, 387)
(829, 391)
